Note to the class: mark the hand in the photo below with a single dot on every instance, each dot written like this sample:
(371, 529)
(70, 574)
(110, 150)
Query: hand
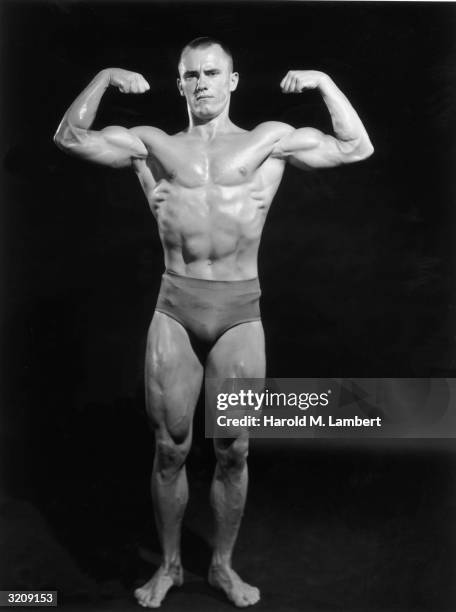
(296, 81)
(127, 82)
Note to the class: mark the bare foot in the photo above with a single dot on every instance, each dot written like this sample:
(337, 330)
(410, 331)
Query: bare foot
(237, 591)
(151, 594)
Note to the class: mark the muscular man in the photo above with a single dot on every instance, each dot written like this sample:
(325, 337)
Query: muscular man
(209, 188)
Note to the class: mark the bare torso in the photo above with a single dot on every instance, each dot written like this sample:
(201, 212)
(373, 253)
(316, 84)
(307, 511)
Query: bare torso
(211, 197)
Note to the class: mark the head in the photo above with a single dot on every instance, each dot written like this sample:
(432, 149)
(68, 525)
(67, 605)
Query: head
(206, 77)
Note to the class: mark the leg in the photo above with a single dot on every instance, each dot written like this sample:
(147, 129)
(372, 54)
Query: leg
(173, 376)
(239, 353)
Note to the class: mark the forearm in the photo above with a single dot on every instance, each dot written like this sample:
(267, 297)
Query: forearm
(348, 127)
(81, 114)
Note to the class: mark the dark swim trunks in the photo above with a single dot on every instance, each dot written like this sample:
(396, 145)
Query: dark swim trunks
(208, 308)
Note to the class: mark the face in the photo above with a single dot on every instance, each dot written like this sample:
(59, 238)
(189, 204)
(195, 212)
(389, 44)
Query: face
(206, 80)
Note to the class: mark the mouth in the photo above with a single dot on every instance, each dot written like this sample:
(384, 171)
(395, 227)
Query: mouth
(198, 98)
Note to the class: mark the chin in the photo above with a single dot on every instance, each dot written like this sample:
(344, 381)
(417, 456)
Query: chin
(205, 114)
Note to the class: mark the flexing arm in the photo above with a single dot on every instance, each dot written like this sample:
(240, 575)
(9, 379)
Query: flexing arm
(310, 148)
(113, 146)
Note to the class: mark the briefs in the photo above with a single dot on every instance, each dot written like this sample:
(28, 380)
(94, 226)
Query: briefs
(208, 308)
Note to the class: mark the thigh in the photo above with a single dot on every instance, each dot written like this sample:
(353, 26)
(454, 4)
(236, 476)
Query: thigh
(238, 353)
(173, 376)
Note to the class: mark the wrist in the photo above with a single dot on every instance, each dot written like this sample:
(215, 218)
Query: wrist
(324, 80)
(104, 76)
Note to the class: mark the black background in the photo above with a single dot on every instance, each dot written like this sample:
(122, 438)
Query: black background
(356, 266)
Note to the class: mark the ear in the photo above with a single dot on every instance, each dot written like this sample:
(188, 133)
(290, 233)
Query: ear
(234, 80)
(179, 87)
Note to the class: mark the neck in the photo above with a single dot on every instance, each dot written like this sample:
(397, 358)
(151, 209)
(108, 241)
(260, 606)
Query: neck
(209, 127)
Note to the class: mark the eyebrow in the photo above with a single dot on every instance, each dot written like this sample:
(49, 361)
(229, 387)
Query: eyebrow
(188, 73)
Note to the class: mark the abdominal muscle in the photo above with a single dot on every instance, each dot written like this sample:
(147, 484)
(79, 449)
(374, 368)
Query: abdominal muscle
(210, 232)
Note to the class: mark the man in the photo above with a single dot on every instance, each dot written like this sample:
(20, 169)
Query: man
(209, 188)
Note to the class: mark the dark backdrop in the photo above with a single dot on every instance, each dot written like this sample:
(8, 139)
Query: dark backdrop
(356, 266)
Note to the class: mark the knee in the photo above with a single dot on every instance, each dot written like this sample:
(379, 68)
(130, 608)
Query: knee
(232, 457)
(170, 457)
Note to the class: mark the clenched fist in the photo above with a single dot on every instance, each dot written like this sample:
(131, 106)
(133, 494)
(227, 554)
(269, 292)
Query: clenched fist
(296, 81)
(127, 81)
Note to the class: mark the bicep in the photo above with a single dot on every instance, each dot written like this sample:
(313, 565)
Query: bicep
(113, 146)
(309, 148)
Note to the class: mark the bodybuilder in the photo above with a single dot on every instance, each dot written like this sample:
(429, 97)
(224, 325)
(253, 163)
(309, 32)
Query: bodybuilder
(209, 188)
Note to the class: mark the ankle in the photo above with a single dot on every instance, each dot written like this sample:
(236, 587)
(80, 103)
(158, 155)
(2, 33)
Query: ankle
(220, 562)
(172, 566)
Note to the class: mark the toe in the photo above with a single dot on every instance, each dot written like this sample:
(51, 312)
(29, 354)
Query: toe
(140, 597)
(151, 601)
(255, 593)
(251, 595)
(240, 600)
(241, 603)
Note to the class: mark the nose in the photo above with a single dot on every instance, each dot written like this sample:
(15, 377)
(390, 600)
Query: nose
(201, 83)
